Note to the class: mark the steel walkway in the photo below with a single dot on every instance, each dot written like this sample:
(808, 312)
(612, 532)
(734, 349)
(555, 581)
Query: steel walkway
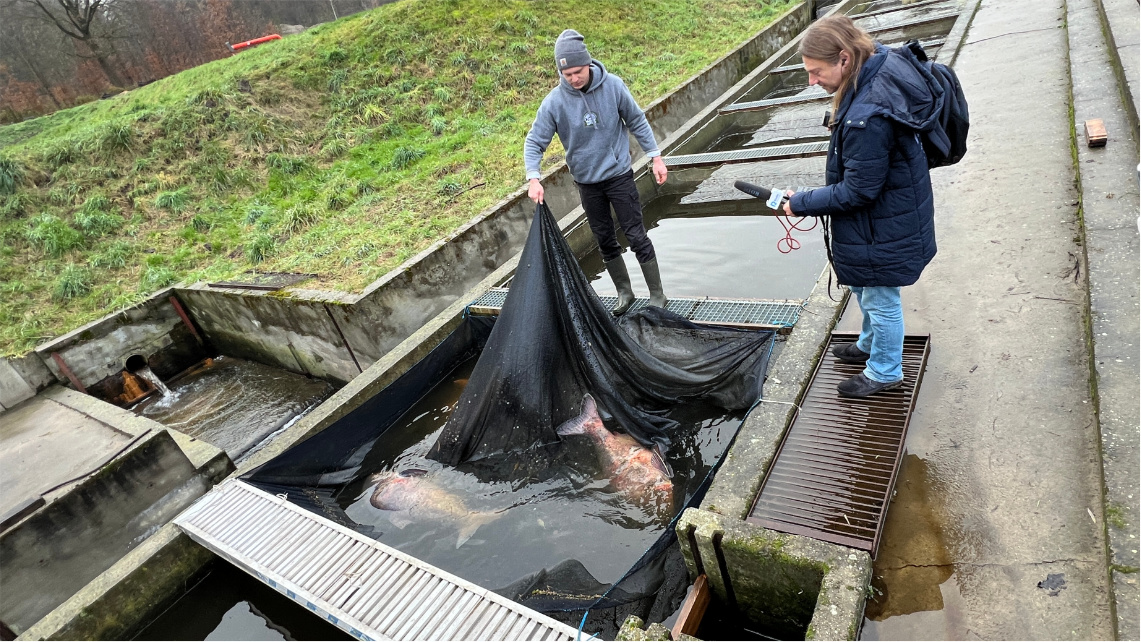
(369, 590)
(749, 155)
(834, 472)
(770, 314)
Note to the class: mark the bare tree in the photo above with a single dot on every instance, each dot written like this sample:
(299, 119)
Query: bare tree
(87, 23)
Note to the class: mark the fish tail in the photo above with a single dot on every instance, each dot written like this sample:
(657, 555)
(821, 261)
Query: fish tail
(472, 523)
(578, 425)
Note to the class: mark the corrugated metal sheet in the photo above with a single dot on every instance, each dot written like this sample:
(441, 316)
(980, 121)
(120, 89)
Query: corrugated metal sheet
(833, 476)
(745, 313)
(369, 590)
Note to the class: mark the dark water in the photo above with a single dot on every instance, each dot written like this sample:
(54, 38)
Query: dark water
(234, 404)
(229, 604)
(568, 511)
(702, 254)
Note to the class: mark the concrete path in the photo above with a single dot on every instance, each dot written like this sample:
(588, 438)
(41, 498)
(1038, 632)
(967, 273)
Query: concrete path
(1110, 203)
(998, 528)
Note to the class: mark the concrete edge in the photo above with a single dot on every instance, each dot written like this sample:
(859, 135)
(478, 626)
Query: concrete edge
(1112, 27)
(747, 462)
(1107, 227)
(845, 573)
(152, 575)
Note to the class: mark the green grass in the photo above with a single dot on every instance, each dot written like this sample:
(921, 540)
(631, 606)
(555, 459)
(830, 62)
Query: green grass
(354, 150)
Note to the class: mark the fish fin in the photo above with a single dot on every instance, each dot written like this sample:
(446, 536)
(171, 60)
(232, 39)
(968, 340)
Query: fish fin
(413, 472)
(659, 461)
(399, 521)
(577, 426)
(472, 524)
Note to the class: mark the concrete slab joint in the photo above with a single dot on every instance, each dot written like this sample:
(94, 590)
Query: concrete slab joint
(778, 582)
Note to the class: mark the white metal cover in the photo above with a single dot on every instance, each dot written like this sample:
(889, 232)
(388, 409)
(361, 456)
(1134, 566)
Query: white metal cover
(369, 590)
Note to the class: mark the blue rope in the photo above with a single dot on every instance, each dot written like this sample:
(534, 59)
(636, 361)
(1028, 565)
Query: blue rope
(581, 624)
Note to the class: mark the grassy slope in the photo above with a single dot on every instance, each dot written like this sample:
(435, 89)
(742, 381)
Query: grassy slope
(341, 152)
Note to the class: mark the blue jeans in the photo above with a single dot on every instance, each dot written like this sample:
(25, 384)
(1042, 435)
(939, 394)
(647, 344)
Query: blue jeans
(881, 335)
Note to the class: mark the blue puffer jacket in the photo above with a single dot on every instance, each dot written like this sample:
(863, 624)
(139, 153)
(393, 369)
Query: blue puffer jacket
(878, 188)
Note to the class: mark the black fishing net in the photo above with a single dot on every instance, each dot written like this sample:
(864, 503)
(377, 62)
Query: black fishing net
(555, 342)
(533, 517)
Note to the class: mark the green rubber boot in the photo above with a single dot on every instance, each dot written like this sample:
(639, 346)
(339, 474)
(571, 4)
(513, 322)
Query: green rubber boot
(621, 278)
(654, 282)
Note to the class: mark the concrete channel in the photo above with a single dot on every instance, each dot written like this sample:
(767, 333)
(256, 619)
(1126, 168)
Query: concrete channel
(361, 343)
(347, 340)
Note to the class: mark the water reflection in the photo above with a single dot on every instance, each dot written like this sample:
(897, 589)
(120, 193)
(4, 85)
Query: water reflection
(494, 533)
(233, 403)
(229, 604)
(915, 592)
(718, 256)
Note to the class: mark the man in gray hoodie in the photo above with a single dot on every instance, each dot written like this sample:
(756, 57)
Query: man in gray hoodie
(593, 113)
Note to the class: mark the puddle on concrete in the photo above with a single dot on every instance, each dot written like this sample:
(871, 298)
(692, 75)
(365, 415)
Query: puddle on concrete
(229, 604)
(234, 404)
(567, 511)
(718, 256)
(915, 586)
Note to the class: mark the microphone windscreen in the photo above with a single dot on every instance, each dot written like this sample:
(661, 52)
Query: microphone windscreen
(753, 190)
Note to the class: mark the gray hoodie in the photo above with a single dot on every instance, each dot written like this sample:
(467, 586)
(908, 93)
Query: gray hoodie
(595, 152)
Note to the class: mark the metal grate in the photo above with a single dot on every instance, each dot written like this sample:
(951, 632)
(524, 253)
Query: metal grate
(883, 31)
(745, 313)
(798, 150)
(833, 475)
(367, 589)
(757, 105)
(903, 7)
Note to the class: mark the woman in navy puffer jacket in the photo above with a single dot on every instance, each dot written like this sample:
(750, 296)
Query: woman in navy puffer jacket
(878, 192)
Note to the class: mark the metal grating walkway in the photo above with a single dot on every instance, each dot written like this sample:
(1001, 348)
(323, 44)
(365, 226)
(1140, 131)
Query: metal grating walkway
(369, 590)
(743, 313)
(757, 105)
(927, 45)
(797, 150)
(833, 476)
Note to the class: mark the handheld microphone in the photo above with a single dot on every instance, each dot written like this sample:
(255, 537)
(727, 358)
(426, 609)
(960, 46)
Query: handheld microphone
(772, 198)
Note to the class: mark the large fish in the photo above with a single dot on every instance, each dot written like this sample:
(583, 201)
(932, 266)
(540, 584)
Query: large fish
(633, 469)
(411, 496)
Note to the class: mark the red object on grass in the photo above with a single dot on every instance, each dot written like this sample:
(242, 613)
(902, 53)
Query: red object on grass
(255, 41)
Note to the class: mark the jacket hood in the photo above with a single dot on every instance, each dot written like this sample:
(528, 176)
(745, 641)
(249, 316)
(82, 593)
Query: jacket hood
(897, 87)
(598, 73)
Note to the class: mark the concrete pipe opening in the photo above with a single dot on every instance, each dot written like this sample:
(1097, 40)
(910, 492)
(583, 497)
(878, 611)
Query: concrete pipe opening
(135, 363)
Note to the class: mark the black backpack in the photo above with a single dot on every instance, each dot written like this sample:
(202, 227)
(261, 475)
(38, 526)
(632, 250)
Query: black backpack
(946, 142)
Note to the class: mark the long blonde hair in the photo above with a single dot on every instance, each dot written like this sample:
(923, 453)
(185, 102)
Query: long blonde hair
(824, 41)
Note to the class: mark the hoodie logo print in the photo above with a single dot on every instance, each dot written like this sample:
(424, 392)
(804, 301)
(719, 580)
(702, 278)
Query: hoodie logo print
(589, 119)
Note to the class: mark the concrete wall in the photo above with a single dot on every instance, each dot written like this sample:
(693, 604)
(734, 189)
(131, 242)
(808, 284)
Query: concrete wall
(21, 378)
(95, 354)
(782, 583)
(72, 540)
(289, 333)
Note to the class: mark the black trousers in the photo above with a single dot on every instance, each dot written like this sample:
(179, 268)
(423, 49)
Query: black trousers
(620, 193)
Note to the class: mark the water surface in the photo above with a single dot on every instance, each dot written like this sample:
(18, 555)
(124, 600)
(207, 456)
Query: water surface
(234, 404)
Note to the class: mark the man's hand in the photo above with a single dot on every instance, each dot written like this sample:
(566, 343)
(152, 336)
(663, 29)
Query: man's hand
(535, 190)
(659, 170)
(788, 203)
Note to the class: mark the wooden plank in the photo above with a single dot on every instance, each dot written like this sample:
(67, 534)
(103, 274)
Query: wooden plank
(692, 610)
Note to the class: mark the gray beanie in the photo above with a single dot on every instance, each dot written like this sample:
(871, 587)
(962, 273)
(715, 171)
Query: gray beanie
(570, 50)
